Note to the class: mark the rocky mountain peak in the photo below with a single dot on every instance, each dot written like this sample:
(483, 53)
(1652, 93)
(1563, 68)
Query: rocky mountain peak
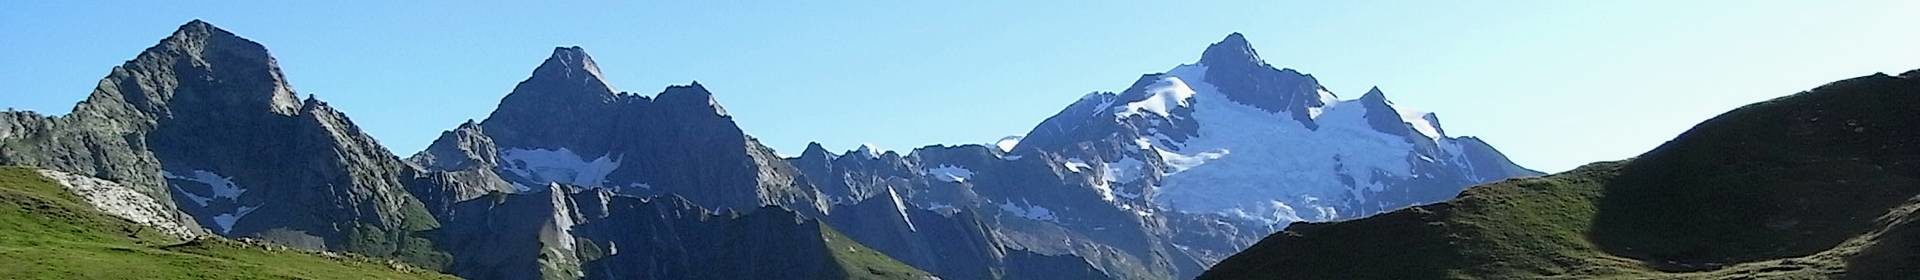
(1374, 95)
(691, 95)
(574, 65)
(199, 51)
(815, 150)
(1381, 115)
(1236, 70)
(1232, 51)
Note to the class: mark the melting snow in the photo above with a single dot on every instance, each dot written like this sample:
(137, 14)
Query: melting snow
(937, 206)
(225, 220)
(222, 186)
(868, 149)
(1031, 212)
(1076, 165)
(901, 205)
(1126, 170)
(1164, 94)
(1419, 121)
(1006, 144)
(557, 166)
(950, 173)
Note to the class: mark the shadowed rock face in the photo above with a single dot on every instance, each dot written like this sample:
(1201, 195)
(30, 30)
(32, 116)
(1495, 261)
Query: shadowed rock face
(565, 124)
(205, 120)
(1237, 69)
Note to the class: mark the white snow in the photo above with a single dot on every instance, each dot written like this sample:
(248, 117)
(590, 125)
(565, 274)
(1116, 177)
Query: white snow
(1163, 95)
(901, 205)
(950, 173)
(940, 207)
(557, 166)
(869, 150)
(122, 202)
(1076, 165)
(1006, 144)
(225, 220)
(1125, 170)
(1326, 97)
(1105, 188)
(1031, 212)
(222, 186)
(1419, 121)
(1264, 166)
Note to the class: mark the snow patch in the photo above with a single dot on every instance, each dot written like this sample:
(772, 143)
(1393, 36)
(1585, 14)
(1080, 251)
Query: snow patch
(222, 186)
(869, 150)
(950, 173)
(901, 205)
(1163, 95)
(226, 220)
(1076, 165)
(1006, 144)
(1419, 121)
(1125, 170)
(557, 166)
(940, 207)
(1031, 212)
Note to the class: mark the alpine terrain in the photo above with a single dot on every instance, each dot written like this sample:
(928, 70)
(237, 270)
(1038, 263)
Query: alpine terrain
(205, 127)
(201, 140)
(1817, 185)
(1167, 177)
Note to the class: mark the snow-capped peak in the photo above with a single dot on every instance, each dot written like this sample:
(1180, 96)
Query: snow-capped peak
(1162, 94)
(869, 150)
(1421, 121)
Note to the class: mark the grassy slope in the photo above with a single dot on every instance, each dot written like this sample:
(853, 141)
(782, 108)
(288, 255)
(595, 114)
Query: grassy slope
(1811, 186)
(47, 233)
(860, 262)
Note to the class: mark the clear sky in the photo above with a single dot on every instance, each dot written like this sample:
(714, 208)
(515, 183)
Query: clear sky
(1554, 84)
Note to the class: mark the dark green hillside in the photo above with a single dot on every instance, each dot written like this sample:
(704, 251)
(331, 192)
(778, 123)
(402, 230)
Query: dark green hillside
(1820, 184)
(858, 261)
(47, 233)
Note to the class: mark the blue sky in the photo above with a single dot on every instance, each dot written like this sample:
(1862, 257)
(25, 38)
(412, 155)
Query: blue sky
(1554, 84)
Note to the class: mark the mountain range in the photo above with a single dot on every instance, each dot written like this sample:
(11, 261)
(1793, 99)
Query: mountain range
(1816, 185)
(569, 178)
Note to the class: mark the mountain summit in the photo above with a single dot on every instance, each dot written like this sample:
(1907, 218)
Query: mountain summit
(1815, 185)
(206, 121)
(1175, 172)
(1232, 52)
(571, 66)
(566, 125)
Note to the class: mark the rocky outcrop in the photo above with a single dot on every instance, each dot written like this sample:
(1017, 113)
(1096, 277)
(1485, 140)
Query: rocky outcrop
(123, 202)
